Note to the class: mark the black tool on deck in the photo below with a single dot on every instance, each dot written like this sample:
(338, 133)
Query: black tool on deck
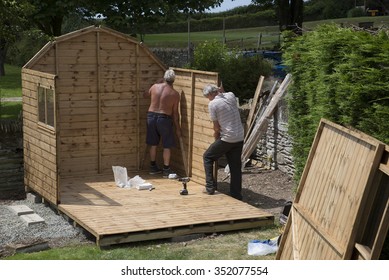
(184, 180)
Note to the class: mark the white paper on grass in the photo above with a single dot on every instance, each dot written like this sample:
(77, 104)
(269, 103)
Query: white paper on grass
(262, 247)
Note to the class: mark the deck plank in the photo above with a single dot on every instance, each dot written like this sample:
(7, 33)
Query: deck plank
(126, 214)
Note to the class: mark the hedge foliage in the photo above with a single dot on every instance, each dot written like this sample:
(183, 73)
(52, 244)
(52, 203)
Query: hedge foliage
(238, 74)
(340, 74)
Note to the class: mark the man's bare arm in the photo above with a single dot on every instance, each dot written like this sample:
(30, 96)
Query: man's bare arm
(176, 116)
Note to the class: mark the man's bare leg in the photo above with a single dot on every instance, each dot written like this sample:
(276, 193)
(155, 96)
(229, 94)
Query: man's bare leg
(166, 157)
(153, 164)
(153, 153)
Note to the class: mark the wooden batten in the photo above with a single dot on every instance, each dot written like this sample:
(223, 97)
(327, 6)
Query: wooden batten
(98, 80)
(137, 90)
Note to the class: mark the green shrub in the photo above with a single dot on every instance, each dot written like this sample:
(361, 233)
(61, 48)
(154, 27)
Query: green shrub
(239, 74)
(356, 12)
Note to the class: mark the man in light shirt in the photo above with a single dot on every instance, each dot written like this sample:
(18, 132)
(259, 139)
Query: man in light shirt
(229, 135)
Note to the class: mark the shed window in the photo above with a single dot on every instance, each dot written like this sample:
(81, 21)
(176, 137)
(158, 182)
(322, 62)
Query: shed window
(46, 105)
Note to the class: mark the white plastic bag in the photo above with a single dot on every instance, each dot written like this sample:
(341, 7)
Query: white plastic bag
(136, 181)
(120, 175)
(262, 247)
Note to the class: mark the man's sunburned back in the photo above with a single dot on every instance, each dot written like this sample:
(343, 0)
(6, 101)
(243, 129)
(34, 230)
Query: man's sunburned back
(163, 99)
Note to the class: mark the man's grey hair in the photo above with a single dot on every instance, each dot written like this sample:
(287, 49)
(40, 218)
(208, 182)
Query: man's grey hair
(210, 88)
(169, 76)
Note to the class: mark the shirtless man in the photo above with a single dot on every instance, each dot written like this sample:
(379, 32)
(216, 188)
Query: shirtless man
(161, 117)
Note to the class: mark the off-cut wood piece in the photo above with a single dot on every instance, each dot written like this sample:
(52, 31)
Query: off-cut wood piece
(254, 102)
(261, 109)
(261, 125)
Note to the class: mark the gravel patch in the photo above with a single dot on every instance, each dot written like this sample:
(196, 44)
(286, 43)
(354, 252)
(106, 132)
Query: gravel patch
(56, 230)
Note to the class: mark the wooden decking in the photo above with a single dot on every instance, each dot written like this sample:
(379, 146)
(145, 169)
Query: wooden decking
(116, 215)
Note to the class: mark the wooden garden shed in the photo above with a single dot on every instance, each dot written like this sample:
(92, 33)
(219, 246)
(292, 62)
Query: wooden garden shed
(84, 112)
(83, 106)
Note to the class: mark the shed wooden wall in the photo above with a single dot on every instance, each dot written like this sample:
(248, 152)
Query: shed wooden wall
(196, 125)
(101, 76)
(39, 144)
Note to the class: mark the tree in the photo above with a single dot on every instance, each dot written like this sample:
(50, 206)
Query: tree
(130, 15)
(290, 13)
(13, 16)
(49, 15)
(135, 16)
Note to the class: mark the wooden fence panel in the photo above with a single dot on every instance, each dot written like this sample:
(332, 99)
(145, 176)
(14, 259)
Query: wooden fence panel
(196, 126)
(327, 216)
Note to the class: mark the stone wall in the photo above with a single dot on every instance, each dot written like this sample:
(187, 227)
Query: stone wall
(274, 149)
(178, 58)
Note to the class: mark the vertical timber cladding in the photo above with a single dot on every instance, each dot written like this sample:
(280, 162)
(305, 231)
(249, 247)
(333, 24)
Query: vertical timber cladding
(77, 104)
(119, 109)
(39, 142)
(197, 129)
(103, 73)
(327, 214)
(127, 69)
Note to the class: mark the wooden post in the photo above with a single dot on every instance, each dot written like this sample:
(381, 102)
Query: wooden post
(99, 145)
(184, 157)
(254, 103)
(259, 112)
(138, 110)
(190, 124)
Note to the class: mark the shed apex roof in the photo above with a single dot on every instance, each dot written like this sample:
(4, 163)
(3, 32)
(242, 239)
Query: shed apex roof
(84, 31)
(94, 28)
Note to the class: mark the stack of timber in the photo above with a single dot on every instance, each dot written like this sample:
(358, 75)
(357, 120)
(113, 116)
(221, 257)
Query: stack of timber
(341, 209)
(258, 128)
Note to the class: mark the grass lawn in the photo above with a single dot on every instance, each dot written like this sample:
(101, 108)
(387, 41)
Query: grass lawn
(11, 83)
(10, 110)
(248, 37)
(225, 246)
(10, 86)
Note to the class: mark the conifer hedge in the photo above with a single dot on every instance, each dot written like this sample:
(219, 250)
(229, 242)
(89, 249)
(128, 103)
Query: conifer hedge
(341, 74)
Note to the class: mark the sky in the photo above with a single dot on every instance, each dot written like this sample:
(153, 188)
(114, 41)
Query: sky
(229, 4)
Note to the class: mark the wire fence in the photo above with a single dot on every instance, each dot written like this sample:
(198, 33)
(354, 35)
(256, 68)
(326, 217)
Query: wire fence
(262, 41)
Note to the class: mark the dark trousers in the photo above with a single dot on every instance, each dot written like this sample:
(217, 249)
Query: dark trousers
(233, 152)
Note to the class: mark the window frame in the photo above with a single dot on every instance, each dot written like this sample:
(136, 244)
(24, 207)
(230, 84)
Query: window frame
(44, 123)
